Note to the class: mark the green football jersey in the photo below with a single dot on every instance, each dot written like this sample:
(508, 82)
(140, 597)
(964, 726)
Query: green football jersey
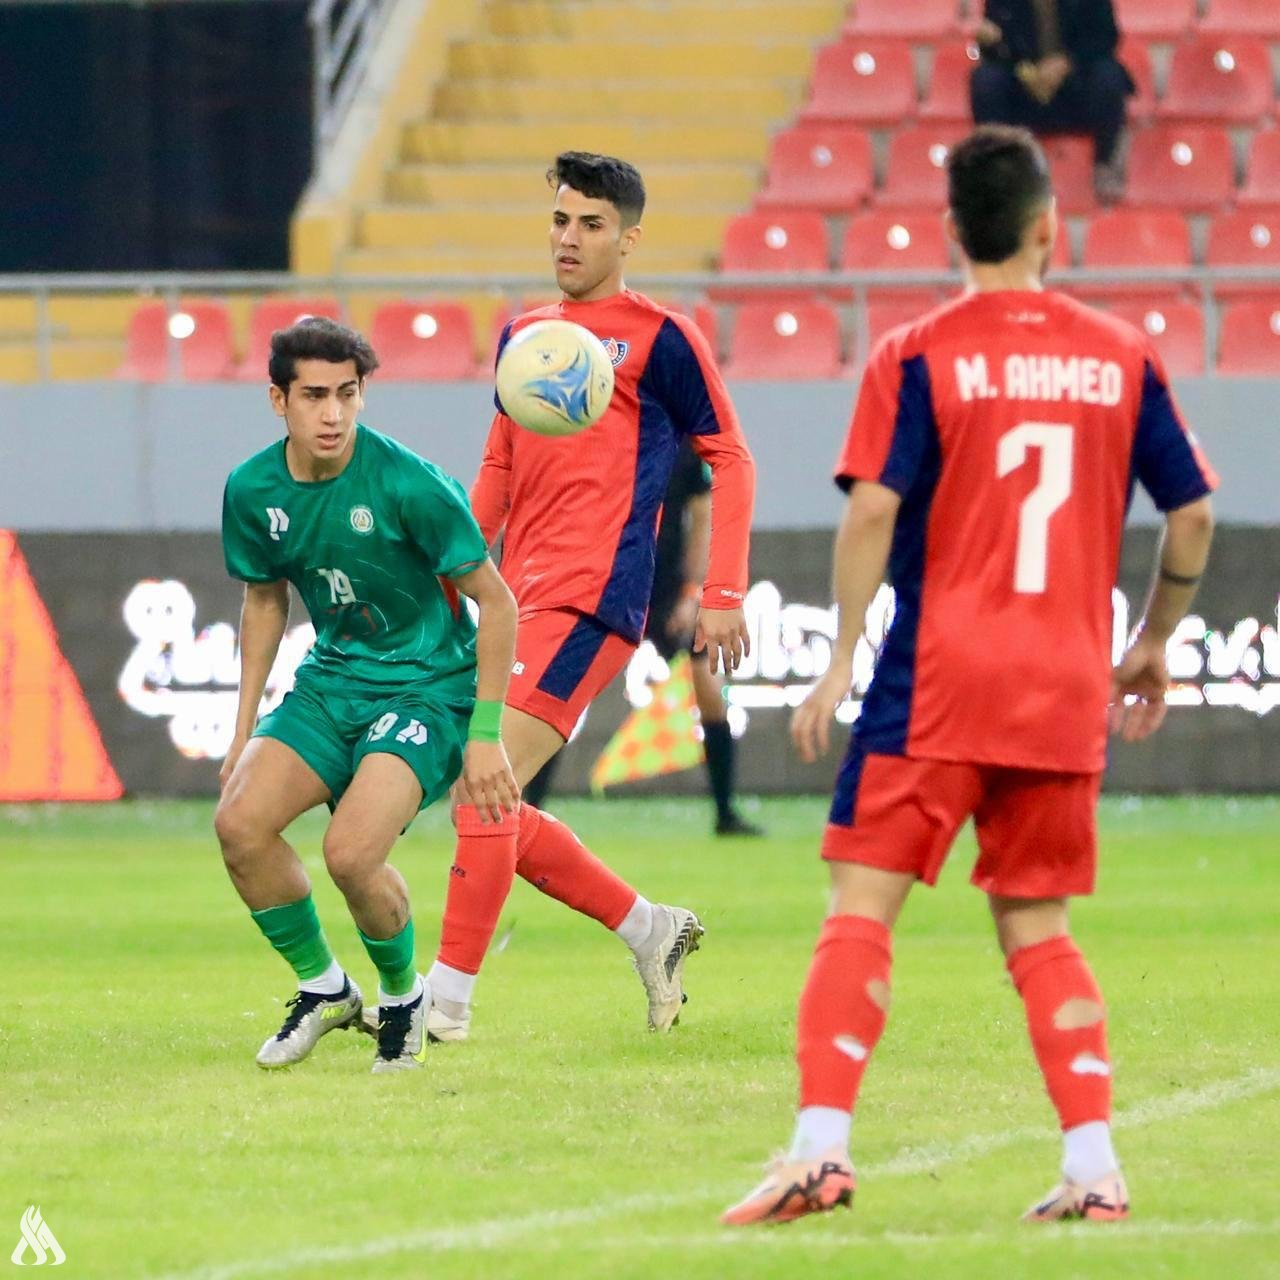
(367, 551)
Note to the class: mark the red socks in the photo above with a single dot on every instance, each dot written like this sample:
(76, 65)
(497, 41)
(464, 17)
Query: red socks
(1068, 1028)
(484, 865)
(842, 1009)
(551, 858)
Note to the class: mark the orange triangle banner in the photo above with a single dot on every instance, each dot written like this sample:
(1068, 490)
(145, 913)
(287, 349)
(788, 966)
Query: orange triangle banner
(50, 747)
(656, 739)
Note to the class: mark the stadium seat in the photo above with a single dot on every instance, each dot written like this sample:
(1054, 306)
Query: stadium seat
(1249, 337)
(1244, 238)
(947, 98)
(1071, 162)
(800, 340)
(202, 329)
(1242, 18)
(1155, 19)
(1136, 57)
(919, 20)
(423, 341)
(916, 177)
(864, 82)
(1262, 170)
(1185, 167)
(270, 314)
(764, 242)
(1135, 238)
(883, 241)
(774, 242)
(825, 168)
(1176, 330)
(1228, 80)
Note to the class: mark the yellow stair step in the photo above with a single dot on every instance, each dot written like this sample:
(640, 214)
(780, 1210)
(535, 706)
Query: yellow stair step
(85, 360)
(478, 228)
(17, 316)
(757, 19)
(660, 60)
(738, 101)
(18, 362)
(538, 144)
(667, 186)
(74, 315)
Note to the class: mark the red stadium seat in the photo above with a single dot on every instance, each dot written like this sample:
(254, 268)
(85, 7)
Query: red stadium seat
(1262, 170)
(917, 174)
(1137, 61)
(1176, 330)
(423, 341)
(826, 168)
(1155, 19)
(1181, 166)
(799, 340)
(1071, 162)
(1242, 18)
(1244, 238)
(1228, 79)
(1135, 238)
(765, 242)
(203, 331)
(884, 241)
(947, 98)
(270, 314)
(919, 20)
(1249, 337)
(774, 242)
(863, 81)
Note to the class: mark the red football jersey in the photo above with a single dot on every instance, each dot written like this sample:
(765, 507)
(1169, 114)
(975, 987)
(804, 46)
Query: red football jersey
(1013, 425)
(581, 513)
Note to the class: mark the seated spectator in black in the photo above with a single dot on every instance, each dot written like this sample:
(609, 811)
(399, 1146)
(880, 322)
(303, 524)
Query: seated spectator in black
(1050, 65)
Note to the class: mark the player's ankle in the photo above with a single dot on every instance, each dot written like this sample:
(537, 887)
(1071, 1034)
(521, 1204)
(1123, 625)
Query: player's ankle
(451, 989)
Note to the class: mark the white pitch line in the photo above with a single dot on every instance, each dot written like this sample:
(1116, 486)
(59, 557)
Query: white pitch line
(499, 1231)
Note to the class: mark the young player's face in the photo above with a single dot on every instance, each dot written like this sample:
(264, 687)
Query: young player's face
(320, 409)
(588, 245)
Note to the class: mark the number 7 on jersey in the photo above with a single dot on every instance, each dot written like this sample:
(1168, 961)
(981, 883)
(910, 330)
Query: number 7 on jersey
(1055, 441)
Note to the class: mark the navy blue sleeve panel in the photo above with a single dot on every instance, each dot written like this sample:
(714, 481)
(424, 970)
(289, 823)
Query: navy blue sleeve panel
(684, 381)
(1166, 459)
(502, 344)
(895, 462)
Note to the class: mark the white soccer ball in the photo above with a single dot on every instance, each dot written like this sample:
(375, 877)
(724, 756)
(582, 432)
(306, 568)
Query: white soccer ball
(555, 378)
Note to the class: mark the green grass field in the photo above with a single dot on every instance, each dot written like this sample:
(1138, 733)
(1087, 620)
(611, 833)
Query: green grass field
(565, 1140)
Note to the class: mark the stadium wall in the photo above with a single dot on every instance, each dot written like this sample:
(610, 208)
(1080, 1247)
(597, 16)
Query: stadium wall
(131, 456)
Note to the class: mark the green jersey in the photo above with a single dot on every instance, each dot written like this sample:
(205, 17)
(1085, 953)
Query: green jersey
(367, 551)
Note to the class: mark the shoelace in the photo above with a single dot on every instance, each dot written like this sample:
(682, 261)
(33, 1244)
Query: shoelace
(301, 1005)
(394, 1024)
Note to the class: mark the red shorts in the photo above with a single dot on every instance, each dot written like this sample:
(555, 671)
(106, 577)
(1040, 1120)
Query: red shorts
(563, 660)
(1037, 831)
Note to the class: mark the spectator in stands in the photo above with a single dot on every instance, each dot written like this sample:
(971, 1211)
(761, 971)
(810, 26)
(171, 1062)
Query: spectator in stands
(1051, 65)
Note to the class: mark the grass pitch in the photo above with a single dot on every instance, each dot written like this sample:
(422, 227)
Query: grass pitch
(565, 1140)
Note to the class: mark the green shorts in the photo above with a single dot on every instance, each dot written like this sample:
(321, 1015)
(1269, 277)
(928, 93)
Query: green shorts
(333, 732)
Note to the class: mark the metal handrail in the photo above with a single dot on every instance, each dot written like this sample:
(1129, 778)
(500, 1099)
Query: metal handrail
(340, 57)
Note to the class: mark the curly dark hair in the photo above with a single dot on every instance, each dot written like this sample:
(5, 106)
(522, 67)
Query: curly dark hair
(317, 338)
(601, 178)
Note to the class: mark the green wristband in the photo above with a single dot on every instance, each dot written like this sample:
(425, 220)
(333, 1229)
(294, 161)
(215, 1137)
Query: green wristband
(486, 722)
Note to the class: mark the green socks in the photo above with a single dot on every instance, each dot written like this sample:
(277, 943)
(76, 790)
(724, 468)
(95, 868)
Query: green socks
(294, 930)
(393, 959)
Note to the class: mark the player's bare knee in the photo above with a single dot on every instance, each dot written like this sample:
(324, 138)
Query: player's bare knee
(1073, 1015)
(347, 859)
(236, 829)
(879, 994)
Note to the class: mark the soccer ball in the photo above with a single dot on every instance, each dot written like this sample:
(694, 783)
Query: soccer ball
(555, 378)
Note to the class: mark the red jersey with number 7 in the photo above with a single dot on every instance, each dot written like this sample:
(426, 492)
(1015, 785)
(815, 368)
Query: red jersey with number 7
(1014, 426)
